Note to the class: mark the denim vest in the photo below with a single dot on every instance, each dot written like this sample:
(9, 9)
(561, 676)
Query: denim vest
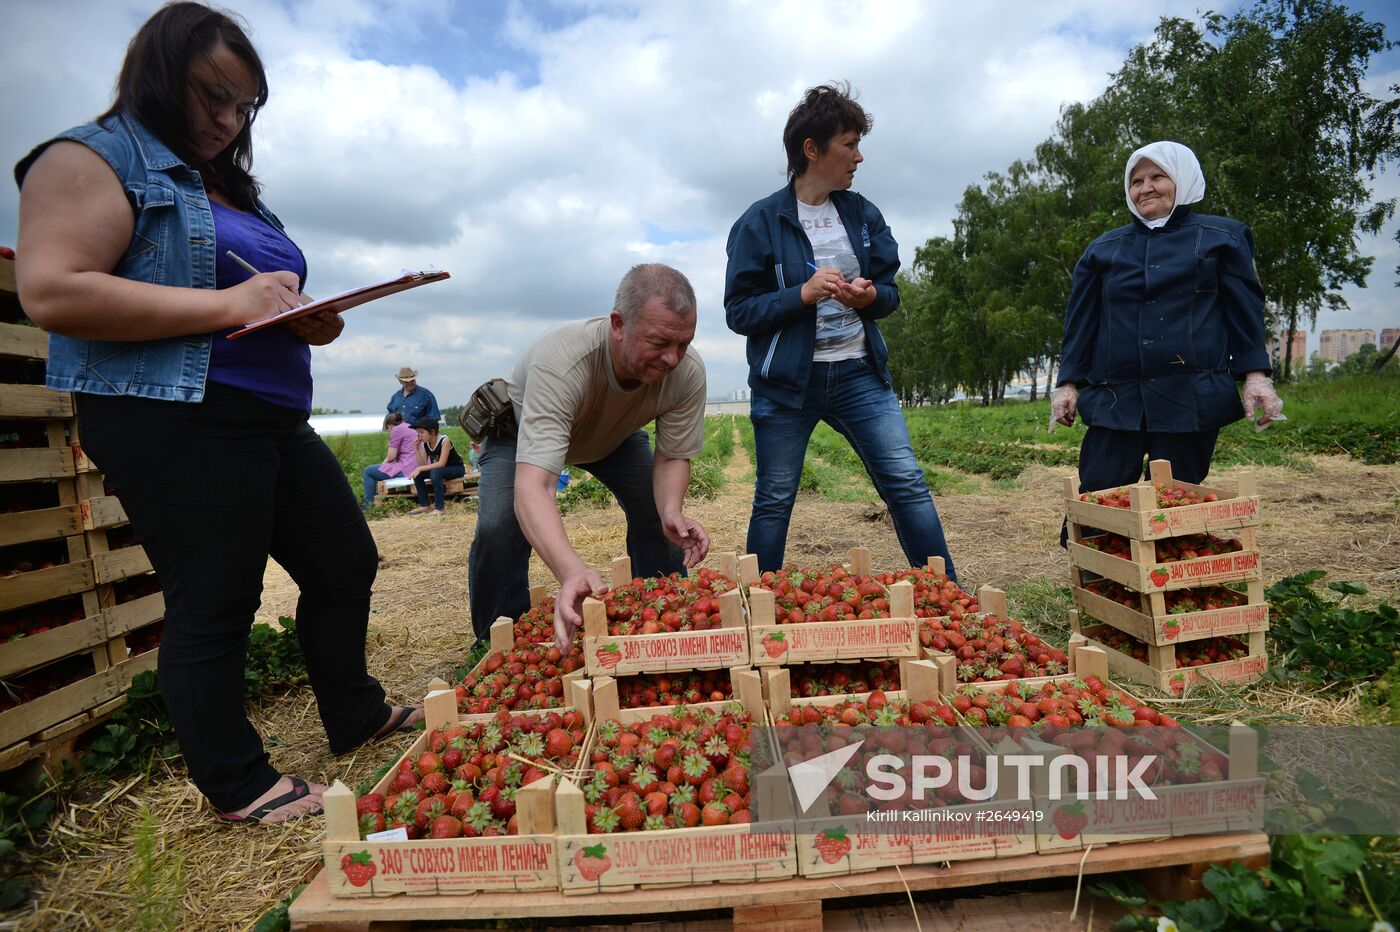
(173, 244)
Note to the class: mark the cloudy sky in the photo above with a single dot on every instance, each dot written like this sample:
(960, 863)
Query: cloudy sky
(537, 149)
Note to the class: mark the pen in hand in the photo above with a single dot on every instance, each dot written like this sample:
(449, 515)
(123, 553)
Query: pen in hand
(247, 267)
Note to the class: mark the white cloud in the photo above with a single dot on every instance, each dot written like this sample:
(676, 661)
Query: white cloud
(537, 189)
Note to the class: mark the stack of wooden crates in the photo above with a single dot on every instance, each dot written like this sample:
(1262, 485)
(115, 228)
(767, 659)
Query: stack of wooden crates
(1232, 512)
(80, 609)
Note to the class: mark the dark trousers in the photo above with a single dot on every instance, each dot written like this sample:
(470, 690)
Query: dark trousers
(1110, 458)
(437, 478)
(498, 568)
(213, 490)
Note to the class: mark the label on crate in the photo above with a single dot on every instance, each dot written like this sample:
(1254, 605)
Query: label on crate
(683, 650)
(1226, 567)
(834, 640)
(1240, 619)
(1243, 670)
(1189, 519)
(952, 833)
(1196, 809)
(452, 864)
(687, 855)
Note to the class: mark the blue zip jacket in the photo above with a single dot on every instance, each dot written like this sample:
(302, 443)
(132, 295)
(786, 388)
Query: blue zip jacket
(173, 244)
(769, 256)
(1162, 322)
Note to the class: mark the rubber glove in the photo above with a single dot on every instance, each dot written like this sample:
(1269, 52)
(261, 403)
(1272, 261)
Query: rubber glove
(1259, 394)
(1063, 405)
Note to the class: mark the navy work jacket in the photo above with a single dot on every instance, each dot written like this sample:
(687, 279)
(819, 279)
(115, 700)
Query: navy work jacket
(770, 259)
(1162, 322)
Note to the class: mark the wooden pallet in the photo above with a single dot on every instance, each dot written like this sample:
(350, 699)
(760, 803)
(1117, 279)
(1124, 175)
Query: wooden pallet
(795, 904)
(466, 487)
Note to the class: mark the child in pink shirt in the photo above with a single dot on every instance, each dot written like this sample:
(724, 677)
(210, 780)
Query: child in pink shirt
(399, 459)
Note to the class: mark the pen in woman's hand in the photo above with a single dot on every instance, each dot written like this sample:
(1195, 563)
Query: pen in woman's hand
(247, 267)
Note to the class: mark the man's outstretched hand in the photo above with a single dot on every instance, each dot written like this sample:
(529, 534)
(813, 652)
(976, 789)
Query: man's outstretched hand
(688, 535)
(568, 604)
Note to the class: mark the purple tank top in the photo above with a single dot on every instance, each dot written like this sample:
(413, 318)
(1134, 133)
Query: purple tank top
(273, 364)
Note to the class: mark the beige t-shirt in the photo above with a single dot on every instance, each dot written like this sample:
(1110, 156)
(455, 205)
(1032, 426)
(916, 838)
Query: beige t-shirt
(571, 408)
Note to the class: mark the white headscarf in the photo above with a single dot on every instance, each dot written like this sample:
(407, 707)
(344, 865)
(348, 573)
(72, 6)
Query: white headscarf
(1181, 167)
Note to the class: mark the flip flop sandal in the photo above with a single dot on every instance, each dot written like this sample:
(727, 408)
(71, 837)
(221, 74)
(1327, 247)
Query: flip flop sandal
(298, 791)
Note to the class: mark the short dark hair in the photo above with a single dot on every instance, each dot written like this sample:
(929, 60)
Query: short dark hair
(430, 424)
(392, 418)
(653, 280)
(824, 112)
(154, 79)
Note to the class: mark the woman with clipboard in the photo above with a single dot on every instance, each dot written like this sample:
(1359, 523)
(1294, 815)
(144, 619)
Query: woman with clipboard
(125, 226)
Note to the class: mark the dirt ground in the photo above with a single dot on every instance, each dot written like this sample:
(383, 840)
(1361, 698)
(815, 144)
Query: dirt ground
(1341, 516)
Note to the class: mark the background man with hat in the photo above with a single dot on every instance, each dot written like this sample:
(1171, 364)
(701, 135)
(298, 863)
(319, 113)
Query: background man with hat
(412, 400)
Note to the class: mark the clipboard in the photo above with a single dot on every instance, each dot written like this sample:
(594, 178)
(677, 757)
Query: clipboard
(346, 299)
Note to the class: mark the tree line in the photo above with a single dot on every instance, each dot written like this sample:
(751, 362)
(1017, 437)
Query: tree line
(1273, 101)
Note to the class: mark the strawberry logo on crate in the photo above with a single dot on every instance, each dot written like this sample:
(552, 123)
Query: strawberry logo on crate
(609, 655)
(833, 845)
(592, 862)
(775, 642)
(1178, 683)
(1171, 629)
(358, 868)
(1160, 577)
(1070, 820)
(1158, 523)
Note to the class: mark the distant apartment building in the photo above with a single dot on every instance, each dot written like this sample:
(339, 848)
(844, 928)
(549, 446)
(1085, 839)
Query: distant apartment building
(1336, 345)
(1388, 337)
(1276, 348)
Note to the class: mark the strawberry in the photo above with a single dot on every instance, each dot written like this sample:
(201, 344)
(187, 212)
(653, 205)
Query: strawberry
(445, 826)
(1070, 820)
(714, 814)
(775, 643)
(358, 868)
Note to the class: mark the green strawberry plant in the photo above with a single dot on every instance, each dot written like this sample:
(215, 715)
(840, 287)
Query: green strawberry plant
(1320, 640)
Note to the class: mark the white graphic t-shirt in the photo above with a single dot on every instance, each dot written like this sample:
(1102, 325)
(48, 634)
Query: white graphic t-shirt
(840, 334)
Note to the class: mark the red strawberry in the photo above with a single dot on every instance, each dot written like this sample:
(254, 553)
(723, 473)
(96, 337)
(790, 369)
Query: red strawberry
(833, 845)
(371, 822)
(1159, 577)
(609, 656)
(358, 868)
(592, 862)
(1070, 820)
(1171, 629)
(446, 826)
(558, 743)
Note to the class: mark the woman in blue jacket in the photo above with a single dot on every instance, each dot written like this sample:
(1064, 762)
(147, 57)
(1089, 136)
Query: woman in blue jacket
(124, 228)
(811, 269)
(1164, 316)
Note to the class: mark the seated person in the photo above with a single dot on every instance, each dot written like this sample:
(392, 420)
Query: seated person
(438, 461)
(399, 459)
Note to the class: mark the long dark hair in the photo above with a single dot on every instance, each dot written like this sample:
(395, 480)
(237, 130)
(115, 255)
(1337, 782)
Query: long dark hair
(153, 86)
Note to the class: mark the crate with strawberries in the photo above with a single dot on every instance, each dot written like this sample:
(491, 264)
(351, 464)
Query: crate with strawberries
(1164, 507)
(1178, 615)
(1175, 666)
(668, 794)
(467, 807)
(523, 669)
(1197, 788)
(805, 613)
(1188, 561)
(666, 624)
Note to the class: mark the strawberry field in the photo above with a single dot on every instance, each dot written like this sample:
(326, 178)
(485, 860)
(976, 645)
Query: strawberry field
(132, 829)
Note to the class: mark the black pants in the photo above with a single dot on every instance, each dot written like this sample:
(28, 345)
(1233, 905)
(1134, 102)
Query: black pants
(1110, 458)
(212, 490)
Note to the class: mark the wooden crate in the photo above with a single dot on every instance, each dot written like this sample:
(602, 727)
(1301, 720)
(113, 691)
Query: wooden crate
(666, 652)
(523, 862)
(1155, 626)
(796, 904)
(465, 487)
(65, 506)
(996, 828)
(503, 639)
(1145, 521)
(869, 639)
(1161, 672)
(1144, 574)
(675, 857)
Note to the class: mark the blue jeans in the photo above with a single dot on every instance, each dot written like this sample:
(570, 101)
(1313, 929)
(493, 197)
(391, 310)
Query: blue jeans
(498, 569)
(851, 397)
(373, 476)
(438, 477)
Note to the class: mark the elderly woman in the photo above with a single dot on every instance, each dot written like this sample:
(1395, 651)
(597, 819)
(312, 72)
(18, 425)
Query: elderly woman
(125, 225)
(1164, 316)
(811, 269)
